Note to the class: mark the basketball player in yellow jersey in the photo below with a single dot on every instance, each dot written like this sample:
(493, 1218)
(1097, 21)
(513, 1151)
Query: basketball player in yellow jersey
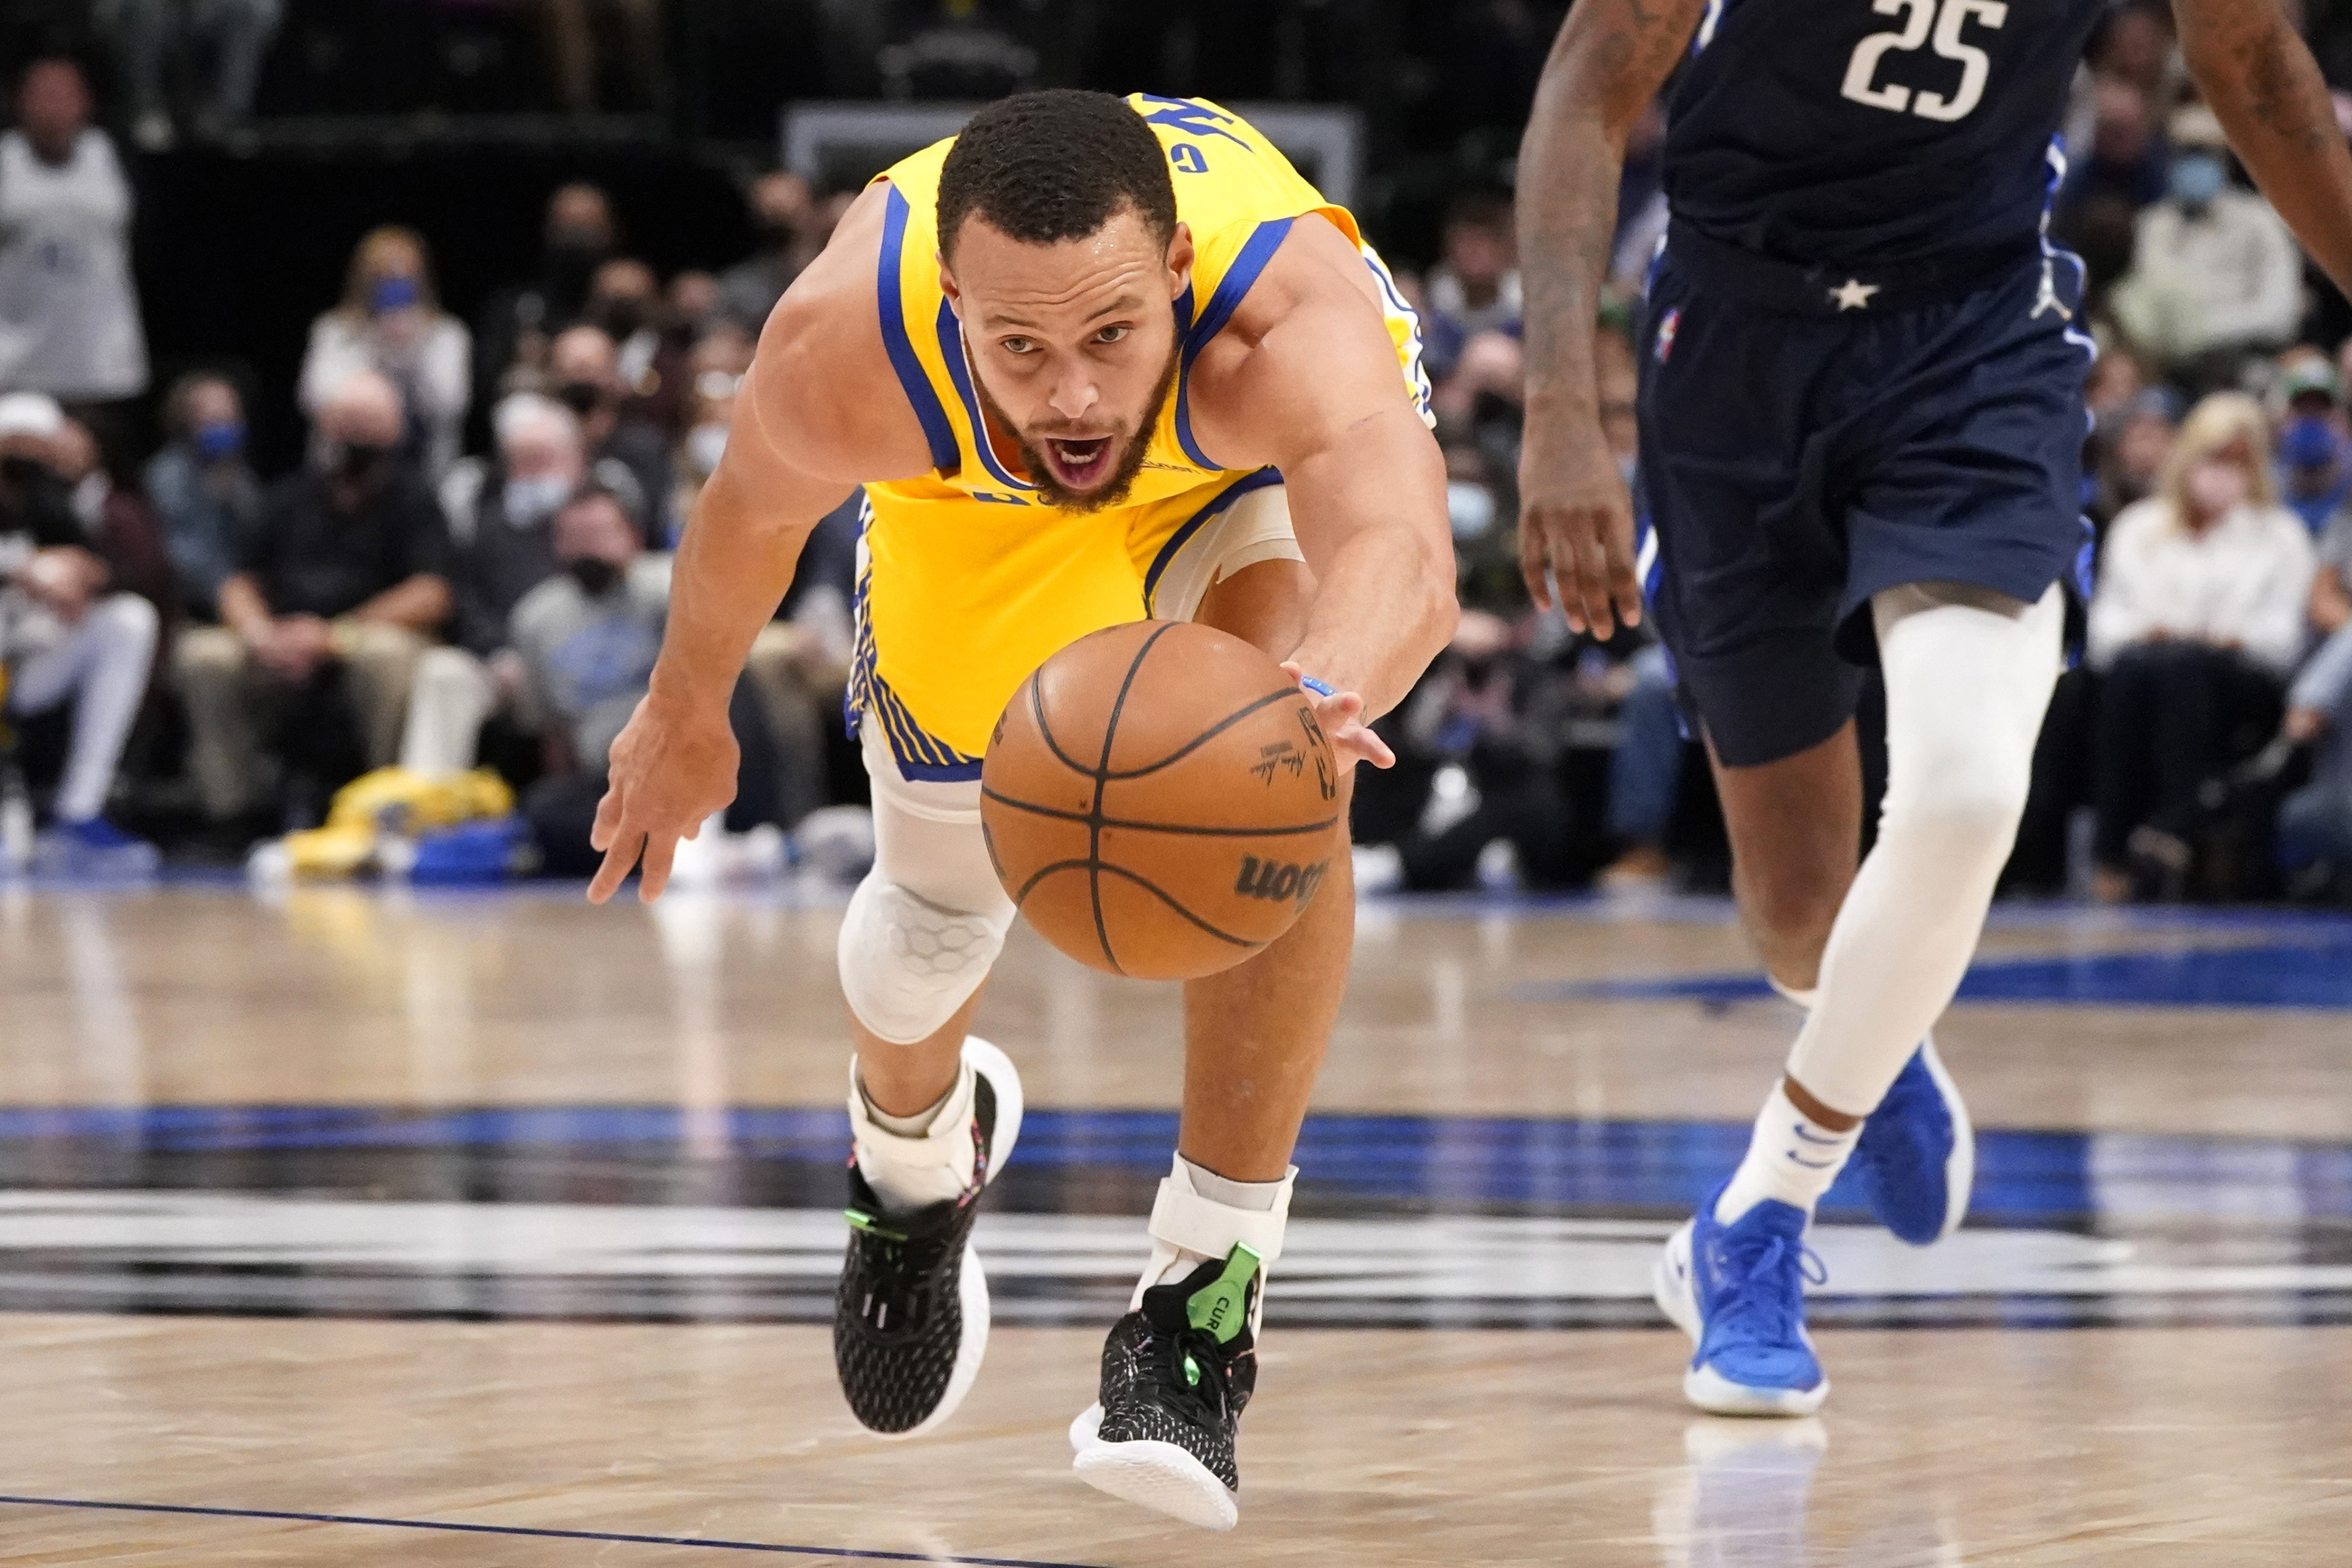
(1093, 360)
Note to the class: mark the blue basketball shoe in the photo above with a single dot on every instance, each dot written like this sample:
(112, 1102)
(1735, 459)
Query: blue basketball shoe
(1917, 1154)
(1738, 1291)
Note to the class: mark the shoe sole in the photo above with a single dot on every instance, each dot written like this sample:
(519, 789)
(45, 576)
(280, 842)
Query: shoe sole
(971, 1280)
(1672, 1285)
(1960, 1166)
(1158, 1475)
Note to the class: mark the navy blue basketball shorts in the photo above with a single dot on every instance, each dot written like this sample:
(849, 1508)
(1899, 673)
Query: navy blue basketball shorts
(1808, 441)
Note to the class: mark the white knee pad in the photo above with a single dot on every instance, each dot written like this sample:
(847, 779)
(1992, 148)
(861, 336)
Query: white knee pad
(907, 965)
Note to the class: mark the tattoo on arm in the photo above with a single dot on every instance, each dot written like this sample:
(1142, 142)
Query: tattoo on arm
(2271, 67)
(2262, 81)
(1609, 62)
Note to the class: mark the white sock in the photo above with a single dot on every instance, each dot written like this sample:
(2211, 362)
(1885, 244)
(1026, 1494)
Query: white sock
(1804, 999)
(912, 1162)
(1200, 1216)
(1791, 1157)
(1966, 688)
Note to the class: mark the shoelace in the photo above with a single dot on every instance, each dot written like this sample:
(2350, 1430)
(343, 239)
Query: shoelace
(1191, 1364)
(895, 1266)
(1775, 1312)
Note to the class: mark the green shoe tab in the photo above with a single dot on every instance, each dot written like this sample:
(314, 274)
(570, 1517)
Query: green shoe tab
(1222, 1307)
(866, 1222)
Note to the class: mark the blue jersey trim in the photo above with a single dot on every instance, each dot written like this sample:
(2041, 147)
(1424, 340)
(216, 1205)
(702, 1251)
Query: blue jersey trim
(1193, 524)
(946, 455)
(951, 330)
(1255, 252)
(1416, 371)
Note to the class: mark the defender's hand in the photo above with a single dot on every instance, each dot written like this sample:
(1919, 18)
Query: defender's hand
(1576, 519)
(1341, 714)
(672, 767)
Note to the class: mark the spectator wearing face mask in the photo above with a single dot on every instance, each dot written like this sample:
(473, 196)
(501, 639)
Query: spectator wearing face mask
(626, 301)
(584, 375)
(203, 491)
(717, 370)
(345, 575)
(586, 638)
(2128, 162)
(69, 311)
(2197, 623)
(517, 324)
(2215, 273)
(2129, 449)
(67, 635)
(117, 523)
(2314, 827)
(782, 214)
(502, 545)
(1475, 287)
(390, 323)
(2315, 477)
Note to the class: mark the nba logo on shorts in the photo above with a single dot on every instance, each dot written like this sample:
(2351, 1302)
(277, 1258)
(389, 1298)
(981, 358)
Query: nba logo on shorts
(1665, 344)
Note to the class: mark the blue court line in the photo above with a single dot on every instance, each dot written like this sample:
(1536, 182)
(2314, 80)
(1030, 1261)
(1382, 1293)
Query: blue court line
(713, 1544)
(2023, 1177)
(2307, 973)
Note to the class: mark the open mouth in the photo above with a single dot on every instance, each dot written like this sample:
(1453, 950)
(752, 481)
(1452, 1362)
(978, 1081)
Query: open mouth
(1079, 465)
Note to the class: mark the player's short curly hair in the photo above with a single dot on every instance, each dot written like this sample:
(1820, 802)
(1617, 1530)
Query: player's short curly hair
(1044, 167)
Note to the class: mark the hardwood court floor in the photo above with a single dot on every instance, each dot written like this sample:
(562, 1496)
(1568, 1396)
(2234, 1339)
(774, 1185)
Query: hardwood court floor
(408, 1113)
(337, 995)
(2205, 1447)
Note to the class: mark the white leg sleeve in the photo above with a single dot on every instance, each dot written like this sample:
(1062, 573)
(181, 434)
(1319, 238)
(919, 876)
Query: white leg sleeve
(1968, 676)
(927, 923)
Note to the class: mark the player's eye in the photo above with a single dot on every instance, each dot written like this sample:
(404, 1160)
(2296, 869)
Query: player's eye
(1020, 345)
(1112, 334)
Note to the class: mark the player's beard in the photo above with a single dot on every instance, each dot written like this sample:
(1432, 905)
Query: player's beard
(1113, 490)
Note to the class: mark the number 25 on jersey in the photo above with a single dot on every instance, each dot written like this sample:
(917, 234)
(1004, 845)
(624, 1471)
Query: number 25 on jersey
(1946, 21)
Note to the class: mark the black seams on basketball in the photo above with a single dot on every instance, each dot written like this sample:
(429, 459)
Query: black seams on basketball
(1159, 800)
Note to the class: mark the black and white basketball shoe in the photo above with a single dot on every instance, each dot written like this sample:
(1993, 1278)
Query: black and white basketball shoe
(1176, 1375)
(910, 1318)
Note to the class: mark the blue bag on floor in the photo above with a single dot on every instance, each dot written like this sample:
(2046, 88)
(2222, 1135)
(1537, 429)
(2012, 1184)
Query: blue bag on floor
(487, 851)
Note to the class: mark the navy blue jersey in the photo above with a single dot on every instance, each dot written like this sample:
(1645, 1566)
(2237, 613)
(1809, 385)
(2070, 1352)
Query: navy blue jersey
(1871, 131)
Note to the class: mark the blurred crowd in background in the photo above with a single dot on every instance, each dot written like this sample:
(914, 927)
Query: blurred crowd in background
(466, 567)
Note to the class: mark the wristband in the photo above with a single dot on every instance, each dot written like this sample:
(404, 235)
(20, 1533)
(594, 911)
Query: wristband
(1320, 688)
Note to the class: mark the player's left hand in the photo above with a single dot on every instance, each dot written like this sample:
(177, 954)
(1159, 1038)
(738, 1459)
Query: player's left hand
(1341, 715)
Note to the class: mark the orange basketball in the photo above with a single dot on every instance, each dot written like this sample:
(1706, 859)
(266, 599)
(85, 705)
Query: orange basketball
(1159, 800)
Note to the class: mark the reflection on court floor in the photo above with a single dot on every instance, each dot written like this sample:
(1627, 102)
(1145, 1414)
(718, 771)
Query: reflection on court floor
(374, 1225)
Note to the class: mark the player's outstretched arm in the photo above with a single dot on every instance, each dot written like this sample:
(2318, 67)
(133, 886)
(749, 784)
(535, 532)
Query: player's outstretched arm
(2260, 81)
(1576, 520)
(812, 419)
(1305, 379)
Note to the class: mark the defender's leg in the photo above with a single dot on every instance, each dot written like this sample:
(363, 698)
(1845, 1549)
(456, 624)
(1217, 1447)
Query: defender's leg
(1795, 827)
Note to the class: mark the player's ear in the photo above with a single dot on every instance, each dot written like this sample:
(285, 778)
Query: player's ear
(1180, 259)
(948, 288)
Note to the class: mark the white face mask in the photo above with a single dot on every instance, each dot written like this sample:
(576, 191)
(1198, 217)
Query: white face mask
(89, 498)
(2216, 486)
(705, 445)
(1471, 508)
(527, 502)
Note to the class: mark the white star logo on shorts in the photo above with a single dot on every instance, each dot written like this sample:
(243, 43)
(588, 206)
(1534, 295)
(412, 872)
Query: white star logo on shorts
(1853, 294)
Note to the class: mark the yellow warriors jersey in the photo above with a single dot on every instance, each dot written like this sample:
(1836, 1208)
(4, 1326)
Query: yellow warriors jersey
(968, 582)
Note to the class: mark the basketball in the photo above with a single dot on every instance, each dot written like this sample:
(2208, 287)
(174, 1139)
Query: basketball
(1160, 801)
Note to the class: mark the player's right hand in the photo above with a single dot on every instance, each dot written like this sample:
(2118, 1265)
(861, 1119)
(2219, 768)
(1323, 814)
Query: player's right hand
(1576, 528)
(672, 766)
